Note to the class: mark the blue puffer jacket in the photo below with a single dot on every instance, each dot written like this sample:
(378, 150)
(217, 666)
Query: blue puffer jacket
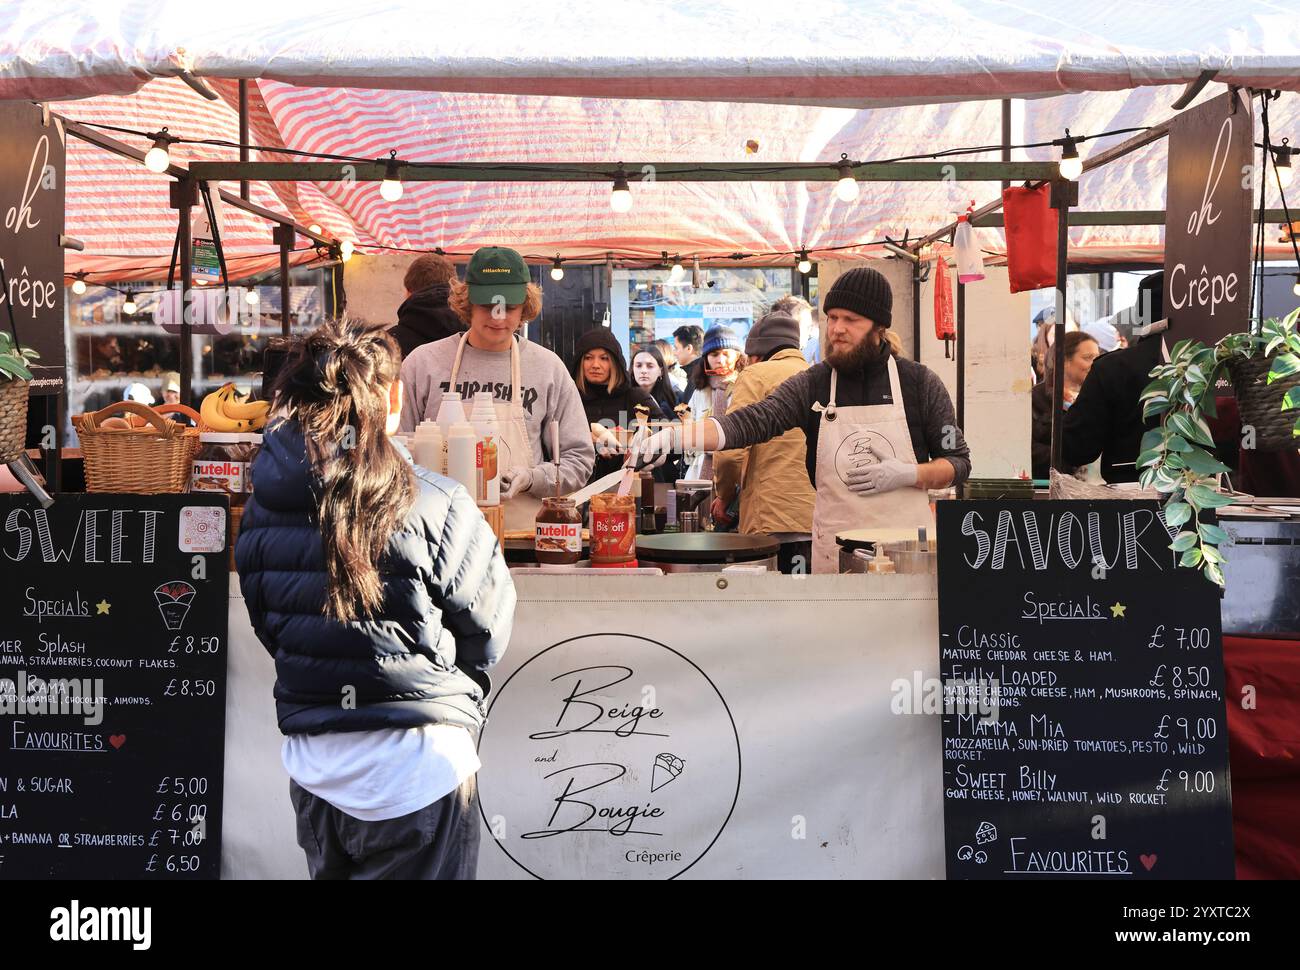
(448, 605)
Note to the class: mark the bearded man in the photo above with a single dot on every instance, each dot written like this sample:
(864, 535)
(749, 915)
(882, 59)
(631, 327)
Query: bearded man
(880, 428)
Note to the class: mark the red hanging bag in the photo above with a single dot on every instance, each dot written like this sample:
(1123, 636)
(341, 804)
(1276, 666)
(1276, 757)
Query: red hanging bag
(1031, 237)
(944, 315)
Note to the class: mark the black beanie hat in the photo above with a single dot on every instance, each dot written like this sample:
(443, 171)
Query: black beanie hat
(599, 338)
(774, 331)
(863, 291)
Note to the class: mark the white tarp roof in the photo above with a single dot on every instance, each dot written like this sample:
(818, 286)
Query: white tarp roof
(858, 53)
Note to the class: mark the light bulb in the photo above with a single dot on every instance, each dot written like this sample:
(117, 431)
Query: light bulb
(128, 307)
(1282, 164)
(620, 199)
(1070, 165)
(314, 228)
(557, 270)
(157, 159)
(1296, 289)
(846, 189)
(391, 187)
(805, 264)
(345, 249)
(677, 272)
(78, 286)
(251, 296)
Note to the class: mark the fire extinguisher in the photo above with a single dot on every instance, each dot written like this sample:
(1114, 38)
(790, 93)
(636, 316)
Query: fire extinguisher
(944, 328)
(970, 261)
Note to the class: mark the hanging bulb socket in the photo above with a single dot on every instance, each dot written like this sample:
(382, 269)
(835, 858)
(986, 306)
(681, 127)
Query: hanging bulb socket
(1282, 163)
(251, 296)
(1070, 165)
(128, 305)
(346, 248)
(620, 198)
(846, 189)
(678, 271)
(1296, 288)
(158, 158)
(391, 187)
(805, 264)
(557, 268)
(79, 284)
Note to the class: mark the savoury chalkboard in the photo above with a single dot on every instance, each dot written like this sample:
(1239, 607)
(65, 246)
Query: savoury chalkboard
(1084, 726)
(112, 686)
(32, 188)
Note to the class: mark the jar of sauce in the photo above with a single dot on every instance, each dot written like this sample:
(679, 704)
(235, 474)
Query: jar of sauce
(224, 463)
(613, 531)
(558, 539)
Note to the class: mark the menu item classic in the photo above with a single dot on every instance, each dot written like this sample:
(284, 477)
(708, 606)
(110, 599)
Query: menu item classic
(112, 686)
(1084, 728)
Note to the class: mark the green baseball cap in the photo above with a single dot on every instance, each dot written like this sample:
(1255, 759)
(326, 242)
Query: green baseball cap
(495, 271)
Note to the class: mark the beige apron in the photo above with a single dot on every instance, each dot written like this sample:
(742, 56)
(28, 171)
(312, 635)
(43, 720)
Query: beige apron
(844, 441)
(513, 447)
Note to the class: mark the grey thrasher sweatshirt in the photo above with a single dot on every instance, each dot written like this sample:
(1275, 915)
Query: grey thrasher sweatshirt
(549, 397)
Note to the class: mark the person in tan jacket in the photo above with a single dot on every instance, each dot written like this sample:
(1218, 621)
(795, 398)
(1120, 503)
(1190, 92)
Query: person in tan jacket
(776, 497)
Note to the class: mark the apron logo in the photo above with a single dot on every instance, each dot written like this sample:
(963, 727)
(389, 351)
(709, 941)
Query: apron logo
(854, 452)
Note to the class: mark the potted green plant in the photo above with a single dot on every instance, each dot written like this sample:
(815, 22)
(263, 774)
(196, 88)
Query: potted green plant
(15, 378)
(1177, 457)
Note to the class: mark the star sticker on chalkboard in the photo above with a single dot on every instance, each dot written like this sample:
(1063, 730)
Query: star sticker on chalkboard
(102, 607)
(1117, 611)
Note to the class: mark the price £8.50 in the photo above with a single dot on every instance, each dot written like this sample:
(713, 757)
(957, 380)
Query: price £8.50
(195, 645)
(1180, 677)
(190, 688)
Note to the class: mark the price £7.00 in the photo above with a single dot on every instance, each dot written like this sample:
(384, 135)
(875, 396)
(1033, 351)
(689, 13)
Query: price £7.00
(1195, 638)
(190, 688)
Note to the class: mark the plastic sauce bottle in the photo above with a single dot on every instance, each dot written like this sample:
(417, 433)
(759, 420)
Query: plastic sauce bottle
(460, 456)
(487, 490)
(451, 412)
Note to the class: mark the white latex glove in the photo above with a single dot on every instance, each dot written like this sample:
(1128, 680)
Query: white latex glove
(515, 481)
(654, 450)
(635, 443)
(886, 475)
(605, 441)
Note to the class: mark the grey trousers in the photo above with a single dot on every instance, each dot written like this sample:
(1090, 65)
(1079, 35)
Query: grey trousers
(440, 841)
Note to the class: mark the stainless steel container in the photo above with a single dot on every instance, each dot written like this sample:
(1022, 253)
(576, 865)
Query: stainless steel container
(913, 556)
(706, 552)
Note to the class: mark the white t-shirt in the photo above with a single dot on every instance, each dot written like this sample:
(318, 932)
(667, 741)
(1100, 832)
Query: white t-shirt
(377, 775)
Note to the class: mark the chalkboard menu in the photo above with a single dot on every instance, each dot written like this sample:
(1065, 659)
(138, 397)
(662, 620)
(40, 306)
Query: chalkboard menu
(112, 686)
(32, 185)
(1084, 726)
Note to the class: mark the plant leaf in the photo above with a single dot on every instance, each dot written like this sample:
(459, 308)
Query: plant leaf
(1192, 558)
(1176, 513)
(1214, 573)
(1204, 497)
(1178, 443)
(1184, 541)
(1284, 365)
(1204, 464)
(1212, 533)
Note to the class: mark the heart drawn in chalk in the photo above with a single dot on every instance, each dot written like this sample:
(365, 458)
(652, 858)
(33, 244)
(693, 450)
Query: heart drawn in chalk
(1149, 861)
(117, 740)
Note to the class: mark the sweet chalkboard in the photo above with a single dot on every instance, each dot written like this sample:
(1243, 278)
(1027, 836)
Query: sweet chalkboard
(112, 686)
(1084, 727)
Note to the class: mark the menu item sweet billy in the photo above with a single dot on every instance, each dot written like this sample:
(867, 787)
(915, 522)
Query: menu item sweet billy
(1084, 731)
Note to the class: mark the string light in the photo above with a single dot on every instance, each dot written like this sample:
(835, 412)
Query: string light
(678, 271)
(620, 198)
(345, 249)
(1282, 164)
(1296, 288)
(805, 264)
(251, 296)
(391, 187)
(557, 268)
(158, 159)
(128, 306)
(1070, 165)
(314, 228)
(79, 284)
(846, 189)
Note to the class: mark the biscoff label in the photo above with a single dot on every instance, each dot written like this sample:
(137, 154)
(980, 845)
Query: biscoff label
(612, 536)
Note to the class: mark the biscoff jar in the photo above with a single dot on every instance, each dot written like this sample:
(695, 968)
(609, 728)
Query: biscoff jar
(613, 531)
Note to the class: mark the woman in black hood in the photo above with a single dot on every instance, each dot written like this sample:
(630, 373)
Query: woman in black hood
(608, 396)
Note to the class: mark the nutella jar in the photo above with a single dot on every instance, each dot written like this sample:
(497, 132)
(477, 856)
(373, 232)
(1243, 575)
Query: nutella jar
(613, 531)
(224, 464)
(558, 539)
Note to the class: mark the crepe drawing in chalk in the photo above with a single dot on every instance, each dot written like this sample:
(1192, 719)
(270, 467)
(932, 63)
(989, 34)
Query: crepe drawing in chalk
(174, 600)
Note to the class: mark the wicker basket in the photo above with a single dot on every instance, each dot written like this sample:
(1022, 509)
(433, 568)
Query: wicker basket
(151, 460)
(1260, 402)
(13, 419)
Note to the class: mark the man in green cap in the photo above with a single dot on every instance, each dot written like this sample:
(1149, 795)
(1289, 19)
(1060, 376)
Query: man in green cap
(530, 386)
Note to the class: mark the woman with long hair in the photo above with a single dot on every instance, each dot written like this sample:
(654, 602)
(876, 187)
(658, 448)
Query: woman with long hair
(609, 396)
(1081, 349)
(652, 375)
(382, 595)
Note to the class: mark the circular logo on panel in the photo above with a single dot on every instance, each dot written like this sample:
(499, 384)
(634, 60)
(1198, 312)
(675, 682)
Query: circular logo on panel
(608, 756)
(855, 452)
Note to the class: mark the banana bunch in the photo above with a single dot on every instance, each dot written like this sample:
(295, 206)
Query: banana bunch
(226, 410)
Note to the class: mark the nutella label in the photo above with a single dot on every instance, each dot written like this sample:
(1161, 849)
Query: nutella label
(219, 476)
(559, 537)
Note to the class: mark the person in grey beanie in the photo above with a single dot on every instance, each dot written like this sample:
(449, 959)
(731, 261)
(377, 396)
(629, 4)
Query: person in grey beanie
(880, 429)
